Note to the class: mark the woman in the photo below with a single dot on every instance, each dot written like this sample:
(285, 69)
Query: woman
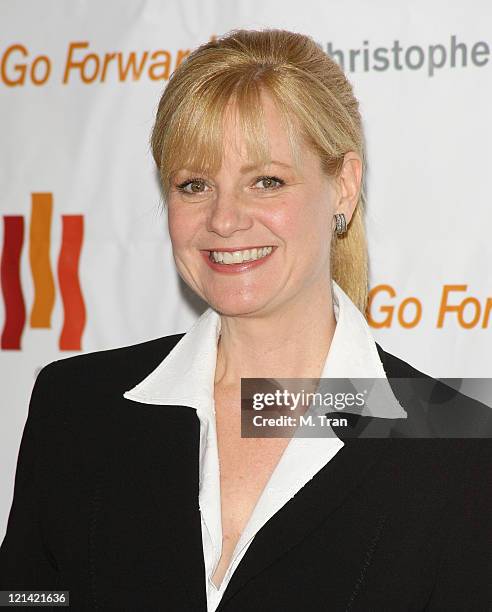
(135, 489)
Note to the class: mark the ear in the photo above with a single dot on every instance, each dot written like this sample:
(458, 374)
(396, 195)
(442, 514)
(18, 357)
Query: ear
(349, 184)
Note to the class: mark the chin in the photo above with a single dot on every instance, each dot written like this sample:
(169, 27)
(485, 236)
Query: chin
(233, 305)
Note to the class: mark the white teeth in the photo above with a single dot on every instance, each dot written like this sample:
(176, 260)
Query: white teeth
(226, 257)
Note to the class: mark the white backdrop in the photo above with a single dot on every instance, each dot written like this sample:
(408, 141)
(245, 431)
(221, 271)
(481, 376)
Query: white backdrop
(79, 86)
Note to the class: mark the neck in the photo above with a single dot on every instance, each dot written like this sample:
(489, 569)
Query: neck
(289, 343)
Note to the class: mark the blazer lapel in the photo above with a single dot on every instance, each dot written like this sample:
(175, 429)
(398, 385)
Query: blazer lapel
(317, 500)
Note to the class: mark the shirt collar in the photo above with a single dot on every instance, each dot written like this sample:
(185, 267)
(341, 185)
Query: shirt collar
(186, 375)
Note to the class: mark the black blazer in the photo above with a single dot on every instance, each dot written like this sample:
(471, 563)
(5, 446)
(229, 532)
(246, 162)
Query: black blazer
(106, 506)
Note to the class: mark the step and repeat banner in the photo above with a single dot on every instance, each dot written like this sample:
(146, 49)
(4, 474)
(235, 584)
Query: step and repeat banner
(86, 262)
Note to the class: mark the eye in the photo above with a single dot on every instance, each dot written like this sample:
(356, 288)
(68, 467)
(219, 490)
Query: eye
(268, 182)
(195, 184)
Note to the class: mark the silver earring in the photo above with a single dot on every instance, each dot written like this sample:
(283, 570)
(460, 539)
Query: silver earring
(341, 224)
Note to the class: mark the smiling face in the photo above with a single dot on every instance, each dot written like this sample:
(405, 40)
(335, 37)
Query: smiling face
(242, 207)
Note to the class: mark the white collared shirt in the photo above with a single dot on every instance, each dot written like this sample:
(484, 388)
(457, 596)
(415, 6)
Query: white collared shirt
(186, 378)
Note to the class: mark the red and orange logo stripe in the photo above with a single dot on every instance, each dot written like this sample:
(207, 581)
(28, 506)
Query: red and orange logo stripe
(74, 312)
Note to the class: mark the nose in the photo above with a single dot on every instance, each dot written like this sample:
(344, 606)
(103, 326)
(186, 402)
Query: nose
(228, 214)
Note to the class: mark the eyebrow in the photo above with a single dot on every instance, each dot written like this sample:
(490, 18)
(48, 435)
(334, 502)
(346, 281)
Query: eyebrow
(243, 169)
(250, 167)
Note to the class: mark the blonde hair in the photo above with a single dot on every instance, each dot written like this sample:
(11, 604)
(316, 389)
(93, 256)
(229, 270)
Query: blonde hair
(316, 103)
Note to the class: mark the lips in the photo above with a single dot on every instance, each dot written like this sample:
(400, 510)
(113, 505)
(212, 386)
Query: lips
(235, 268)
